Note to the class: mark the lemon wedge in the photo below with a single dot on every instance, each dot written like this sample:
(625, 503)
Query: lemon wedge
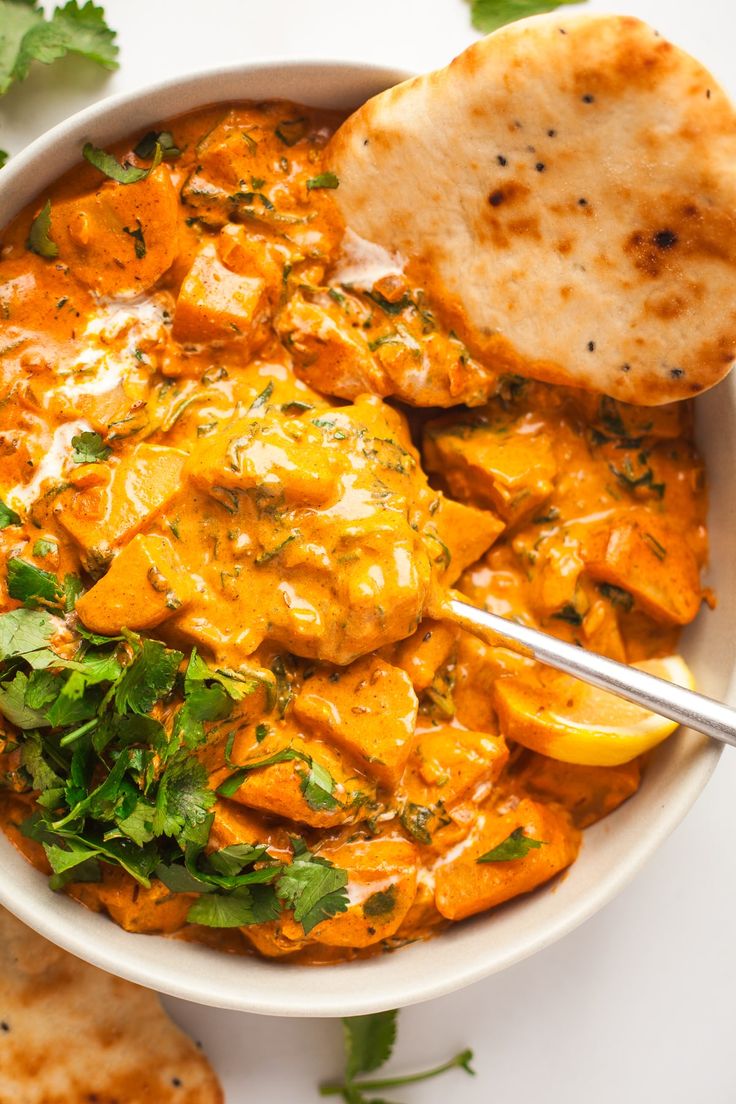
(566, 719)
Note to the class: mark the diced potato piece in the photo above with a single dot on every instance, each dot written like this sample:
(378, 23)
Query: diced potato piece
(466, 532)
(329, 354)
(282, 789)
(144, 586)
(447, 762)
(464, 886)
(215, 304)
(382, 883)
(423, 653)
(369, 708)
(650, 561)
(130, 493)
(588, 793)
(511, 472)
(120, 239)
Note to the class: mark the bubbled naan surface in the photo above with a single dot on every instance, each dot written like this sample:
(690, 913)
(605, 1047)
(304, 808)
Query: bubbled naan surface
(567, 189)
(71, 1034)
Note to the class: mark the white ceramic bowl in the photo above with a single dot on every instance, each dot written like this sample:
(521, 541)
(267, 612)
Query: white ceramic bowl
(613, 851)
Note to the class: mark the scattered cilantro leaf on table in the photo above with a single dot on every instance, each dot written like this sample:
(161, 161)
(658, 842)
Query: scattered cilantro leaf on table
(489, 15)
(515, 846)
(369, 1043)
(26, 35)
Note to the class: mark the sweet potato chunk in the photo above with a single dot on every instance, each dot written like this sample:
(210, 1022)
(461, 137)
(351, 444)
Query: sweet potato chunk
(511, 472)
(423, 653)
(369, 709)
(652, 562)
(215, 304)
(382, 884)
(588, 793)
(464, 886)
(120, 239)
(144, 586)
(336, 795)
(447, 762)
(465, 532)
(120, 500)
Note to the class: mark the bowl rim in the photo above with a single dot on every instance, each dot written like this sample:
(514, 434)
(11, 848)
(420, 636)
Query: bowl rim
(262, 988)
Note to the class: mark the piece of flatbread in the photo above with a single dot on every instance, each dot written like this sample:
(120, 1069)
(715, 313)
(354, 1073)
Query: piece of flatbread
(566, 188)
(71, 1034)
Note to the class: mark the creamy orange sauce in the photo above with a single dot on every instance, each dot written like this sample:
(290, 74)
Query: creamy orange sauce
(264, 502)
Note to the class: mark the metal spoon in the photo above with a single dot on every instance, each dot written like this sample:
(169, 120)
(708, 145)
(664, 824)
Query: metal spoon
(687, 707)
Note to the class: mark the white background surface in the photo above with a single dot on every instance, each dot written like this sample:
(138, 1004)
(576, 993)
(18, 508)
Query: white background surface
(638, 1005)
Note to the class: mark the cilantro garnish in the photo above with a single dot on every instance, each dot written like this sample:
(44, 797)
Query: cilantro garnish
(369, 1043)
(32, 585)
(489, 15)
(27, 36)
(124, 173)
(291, 130)
(116, 785)
(323, 180)
(312, 887)
(8, 516)
(89, 448)
(146, 148)
(515, 846)
(39, 236)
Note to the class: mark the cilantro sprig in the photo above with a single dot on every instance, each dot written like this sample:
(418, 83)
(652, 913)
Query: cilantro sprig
(28, 36)
(489, 15)
(369, 1043)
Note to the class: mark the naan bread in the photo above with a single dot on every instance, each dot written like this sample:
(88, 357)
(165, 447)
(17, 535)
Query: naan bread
(567, 189)
(71, 1034)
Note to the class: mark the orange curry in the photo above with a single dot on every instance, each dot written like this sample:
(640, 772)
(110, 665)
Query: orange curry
(231, 427)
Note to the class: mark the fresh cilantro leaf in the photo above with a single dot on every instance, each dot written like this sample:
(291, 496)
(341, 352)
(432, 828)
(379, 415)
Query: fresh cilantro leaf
(4, 157)
(123, 173)
(39, 235)
(183, 799)
(489, 15)
(24, 631)
(138, 824)
(231, 860)
(73, 588)
(13, 704)
(149, 677)
(515, 846)
(43, 547)
(16, 20)
(43, 776)
(89, 448)
(246, 905)
(313, 887)
(8, 516)
(323, 180)
(369, 1042)
(43, 688)
(178, 879)
(146, 148)
(317, 786)
(28, 36)
(233, 783)
(32, 585)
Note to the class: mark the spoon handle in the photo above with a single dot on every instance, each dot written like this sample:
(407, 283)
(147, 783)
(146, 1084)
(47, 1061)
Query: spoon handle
(677, 703)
